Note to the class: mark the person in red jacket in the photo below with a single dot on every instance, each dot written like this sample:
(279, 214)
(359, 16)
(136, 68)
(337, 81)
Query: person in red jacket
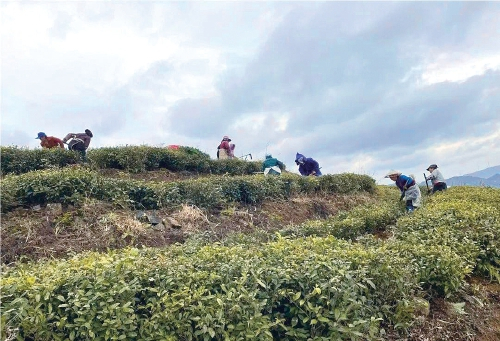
(49, 141)
(225, 150)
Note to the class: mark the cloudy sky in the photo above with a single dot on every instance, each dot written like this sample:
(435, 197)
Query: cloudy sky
(359, 86)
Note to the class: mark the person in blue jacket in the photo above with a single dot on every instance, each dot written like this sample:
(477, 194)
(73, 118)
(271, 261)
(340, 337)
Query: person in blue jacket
(307, 166)
(410, 191)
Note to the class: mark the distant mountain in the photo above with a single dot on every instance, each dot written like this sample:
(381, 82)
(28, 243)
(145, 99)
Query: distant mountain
(486, 173)
(495, 180)
(466, 180)
(489, 177)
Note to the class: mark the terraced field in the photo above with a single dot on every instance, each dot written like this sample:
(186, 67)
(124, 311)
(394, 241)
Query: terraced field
(146, 243)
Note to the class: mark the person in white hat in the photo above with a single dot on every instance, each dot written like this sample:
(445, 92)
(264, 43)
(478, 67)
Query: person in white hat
(438, 182)
(410, 191)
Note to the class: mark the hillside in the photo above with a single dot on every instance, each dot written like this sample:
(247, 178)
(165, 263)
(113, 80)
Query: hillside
(153, 246)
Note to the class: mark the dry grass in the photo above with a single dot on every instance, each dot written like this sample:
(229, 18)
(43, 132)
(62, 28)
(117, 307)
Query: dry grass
(472, 316)
(191, 218)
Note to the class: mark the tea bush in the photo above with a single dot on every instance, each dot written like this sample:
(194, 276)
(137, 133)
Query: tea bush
(70, 185)
(466, 219)
(313, 288)
(143, 158)
(350, 224)
(21, 160)
(133, 159)
(301, 289)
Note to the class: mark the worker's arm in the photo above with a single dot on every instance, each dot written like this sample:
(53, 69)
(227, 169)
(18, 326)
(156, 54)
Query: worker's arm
(69, 136)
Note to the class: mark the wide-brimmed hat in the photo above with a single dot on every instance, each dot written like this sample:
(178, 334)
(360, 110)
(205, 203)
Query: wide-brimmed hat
(432, 166)
(226, 138)
(40, 135)
(392, 172)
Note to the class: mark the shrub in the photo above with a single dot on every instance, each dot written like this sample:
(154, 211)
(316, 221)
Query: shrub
(350, 224)
(310, 288)
(67, 185)
(465, 219)
(21, 160)
(134, 159)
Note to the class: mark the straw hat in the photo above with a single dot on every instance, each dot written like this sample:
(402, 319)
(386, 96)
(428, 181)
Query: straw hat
(392, 172)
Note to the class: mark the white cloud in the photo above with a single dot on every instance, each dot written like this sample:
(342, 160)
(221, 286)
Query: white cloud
(458, 68)
(361, 87)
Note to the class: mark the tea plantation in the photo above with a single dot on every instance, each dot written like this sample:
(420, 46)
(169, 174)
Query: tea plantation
(368, 272)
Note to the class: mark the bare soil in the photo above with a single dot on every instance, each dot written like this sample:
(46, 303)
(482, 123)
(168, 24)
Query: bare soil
(478, 320)
(54, 231)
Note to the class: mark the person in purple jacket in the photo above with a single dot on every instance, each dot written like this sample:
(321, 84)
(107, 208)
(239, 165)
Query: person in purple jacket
(410, 191)
(307, 166)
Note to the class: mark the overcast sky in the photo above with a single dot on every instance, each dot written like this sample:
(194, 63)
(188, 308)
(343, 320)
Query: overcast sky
(359, 86)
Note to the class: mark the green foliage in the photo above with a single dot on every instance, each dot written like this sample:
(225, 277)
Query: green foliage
(134, 159)
(69, 185)
(21, 160)
(288, 289)
(137, 159)
(465, 219)
(313, 287)
(350, 224)
(318, 288)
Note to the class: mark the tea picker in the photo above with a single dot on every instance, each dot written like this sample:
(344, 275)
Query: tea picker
(410, 192)
(78, 142)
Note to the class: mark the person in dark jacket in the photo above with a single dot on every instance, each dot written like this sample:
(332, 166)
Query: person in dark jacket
(307, 166)
(79, 142)
(272, 165)
(410, 191)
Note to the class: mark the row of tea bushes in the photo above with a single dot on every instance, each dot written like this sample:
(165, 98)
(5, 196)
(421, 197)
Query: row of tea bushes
(69, 185)
(130, 158)
(16, 160)
(350, 224)
(466, 219)
(307, 288)
(138, 159)
(302, 289)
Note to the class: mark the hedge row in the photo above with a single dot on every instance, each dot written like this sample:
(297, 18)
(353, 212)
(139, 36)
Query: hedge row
(466, 219)
(21, 160)
(135, 159)
(304, 289)
(350, 224)
(70, 185)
